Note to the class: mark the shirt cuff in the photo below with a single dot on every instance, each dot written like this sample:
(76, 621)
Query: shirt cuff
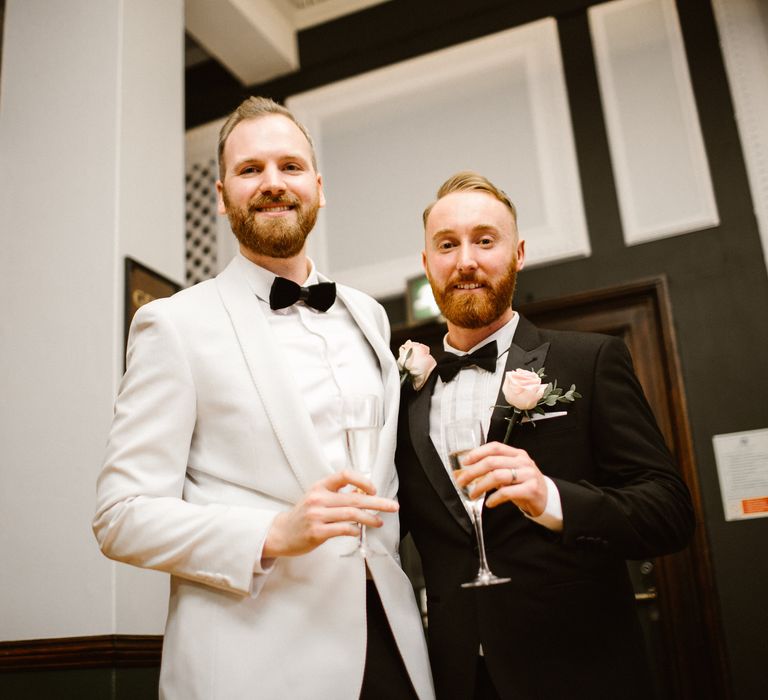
(552, 517)
(262, 564)
(265, 565)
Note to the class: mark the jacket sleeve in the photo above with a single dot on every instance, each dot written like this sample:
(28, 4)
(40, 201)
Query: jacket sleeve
(141, 515)
(637, 506)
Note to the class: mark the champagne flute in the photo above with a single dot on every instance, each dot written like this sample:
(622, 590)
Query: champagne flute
(460, 437)
(361, 418)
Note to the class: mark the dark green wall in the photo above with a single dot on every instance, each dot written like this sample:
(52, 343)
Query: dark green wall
(89, 684)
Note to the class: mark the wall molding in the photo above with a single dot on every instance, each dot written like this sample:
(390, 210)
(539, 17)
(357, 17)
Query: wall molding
(660, 163)
(102, 651)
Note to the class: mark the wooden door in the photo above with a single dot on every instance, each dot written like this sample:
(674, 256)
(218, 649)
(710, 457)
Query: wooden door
(675, 595)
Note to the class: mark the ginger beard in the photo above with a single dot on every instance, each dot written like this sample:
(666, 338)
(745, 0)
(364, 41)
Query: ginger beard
(274, 238)
(473, 309)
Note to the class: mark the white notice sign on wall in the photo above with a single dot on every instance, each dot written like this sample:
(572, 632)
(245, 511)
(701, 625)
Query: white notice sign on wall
(742, 467)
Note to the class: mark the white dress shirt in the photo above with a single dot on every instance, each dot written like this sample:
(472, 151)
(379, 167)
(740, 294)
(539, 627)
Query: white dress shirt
(329, 355)
(472, 394)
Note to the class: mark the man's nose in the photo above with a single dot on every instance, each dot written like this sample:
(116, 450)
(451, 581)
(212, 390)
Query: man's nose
(466, 261)
(272, 181)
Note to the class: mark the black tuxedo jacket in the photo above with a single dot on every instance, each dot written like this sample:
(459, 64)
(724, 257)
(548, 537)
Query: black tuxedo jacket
(566, 626)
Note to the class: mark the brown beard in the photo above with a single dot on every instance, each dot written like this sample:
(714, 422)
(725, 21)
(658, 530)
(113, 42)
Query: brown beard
(476, 310)
(273, 239)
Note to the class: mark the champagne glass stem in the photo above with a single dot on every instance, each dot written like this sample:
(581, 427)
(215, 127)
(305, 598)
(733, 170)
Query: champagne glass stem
(477, 507)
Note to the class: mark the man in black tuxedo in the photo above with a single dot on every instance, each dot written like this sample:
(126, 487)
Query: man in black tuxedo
(575, 493)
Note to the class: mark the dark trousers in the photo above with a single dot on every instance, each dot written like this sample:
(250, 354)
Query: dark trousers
(484, 688)
(385, 677)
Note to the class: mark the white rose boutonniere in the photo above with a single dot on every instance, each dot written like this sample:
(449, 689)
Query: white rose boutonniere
(525, 392)
(414, 361)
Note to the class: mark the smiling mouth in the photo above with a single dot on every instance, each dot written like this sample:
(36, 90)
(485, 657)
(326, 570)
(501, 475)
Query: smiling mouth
(274, 209)
(468, 286)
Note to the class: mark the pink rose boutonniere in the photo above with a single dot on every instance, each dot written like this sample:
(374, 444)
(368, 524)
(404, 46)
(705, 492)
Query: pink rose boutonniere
(414, 361)
(525, 392)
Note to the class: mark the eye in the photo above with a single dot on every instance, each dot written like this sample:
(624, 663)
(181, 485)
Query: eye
(486, 241)
(445, 245)
(249, 170)
(293, 167)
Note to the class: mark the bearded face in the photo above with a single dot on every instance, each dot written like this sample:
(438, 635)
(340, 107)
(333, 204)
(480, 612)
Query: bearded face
(478, 307)
(274, 237)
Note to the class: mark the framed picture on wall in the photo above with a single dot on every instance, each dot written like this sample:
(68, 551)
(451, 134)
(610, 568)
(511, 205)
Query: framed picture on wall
(142, 285)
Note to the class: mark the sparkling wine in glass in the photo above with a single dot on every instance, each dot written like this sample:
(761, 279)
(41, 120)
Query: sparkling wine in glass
(361, 416)
(460, 437)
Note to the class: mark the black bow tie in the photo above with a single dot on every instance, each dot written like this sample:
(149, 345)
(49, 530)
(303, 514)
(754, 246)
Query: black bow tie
(448, 365)
(286, 293)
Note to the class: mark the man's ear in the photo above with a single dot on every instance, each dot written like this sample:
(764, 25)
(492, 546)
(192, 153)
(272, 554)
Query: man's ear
(424, 259)
(520, 255)
(220, 206)
(321, 194)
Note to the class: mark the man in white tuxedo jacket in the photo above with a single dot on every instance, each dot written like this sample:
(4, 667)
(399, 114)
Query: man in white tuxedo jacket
(226, 464)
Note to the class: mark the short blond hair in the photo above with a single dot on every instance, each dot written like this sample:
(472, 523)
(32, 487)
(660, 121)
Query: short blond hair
(253, 108)
(467, 180)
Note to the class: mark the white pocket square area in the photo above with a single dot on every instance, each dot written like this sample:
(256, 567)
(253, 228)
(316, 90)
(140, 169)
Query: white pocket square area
(543, 416)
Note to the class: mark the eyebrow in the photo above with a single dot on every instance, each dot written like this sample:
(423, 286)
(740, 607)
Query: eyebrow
(247, 160)
(480, 228)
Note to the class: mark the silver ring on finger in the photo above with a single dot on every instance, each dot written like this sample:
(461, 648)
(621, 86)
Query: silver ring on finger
(513, 476)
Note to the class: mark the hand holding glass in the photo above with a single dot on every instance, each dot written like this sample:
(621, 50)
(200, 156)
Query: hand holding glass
(361, 419)
(460, 437)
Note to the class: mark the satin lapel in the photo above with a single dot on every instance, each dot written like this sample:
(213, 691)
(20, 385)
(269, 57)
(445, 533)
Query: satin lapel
(279, 395)
(418, 422)
(382, 468)
(524, 353)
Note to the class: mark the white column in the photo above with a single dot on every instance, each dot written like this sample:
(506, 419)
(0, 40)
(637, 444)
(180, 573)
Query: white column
(91, 146)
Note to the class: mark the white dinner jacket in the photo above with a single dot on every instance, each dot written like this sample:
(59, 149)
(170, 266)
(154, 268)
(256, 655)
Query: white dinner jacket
(210, 440)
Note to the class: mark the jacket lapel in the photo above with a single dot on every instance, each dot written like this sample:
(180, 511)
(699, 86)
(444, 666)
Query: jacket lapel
(276, 388)
(526, 352)
(382, 468)
(418, 422)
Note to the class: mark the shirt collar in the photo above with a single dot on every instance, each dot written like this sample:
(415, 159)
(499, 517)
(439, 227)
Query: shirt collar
(503, 337)
(260, 279)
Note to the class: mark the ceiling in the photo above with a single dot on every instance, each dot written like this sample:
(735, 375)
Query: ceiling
(255, 40)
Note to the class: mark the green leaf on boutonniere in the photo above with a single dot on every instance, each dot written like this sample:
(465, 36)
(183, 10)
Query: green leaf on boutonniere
(525, 395)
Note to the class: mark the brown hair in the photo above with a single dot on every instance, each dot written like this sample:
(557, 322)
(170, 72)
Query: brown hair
(469, 180)
(253, 108)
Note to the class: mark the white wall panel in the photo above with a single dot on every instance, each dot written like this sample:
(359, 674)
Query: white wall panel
(201, 152)
(386, 140)
(657, 151)
(743, 27)
(210, 244)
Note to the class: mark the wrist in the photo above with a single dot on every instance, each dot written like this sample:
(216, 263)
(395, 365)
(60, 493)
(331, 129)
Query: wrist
(551, 515)
(274, 542)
